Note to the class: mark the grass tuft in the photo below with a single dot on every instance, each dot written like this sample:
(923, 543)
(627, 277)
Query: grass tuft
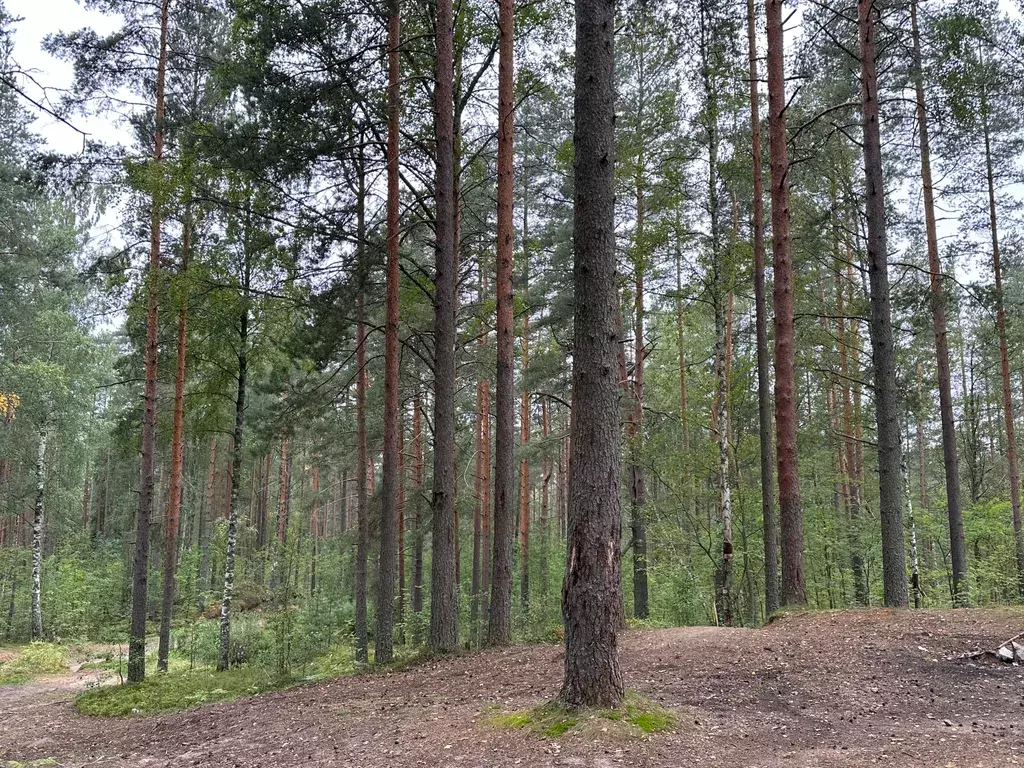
(34, 660)
(176, 691)
(636, 718)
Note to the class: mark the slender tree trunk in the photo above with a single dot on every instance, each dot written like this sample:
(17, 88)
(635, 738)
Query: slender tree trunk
(402, 471)
(951, 461)
(177, 455)
(314, 530)
(524, 470)
(384, 638)
(499, 627)
(416, 597)
(206, 511)
(443, 636)
(86, 501)
(681, 345)
(723, 578)
(764, 402)
(915, 571)
(1013, 466)
(894, 563)
(362, 470)
(591, 593)
(140, 561)
(635, 426)
(485, 510)
(794, 591)
(545, 486)
(478, 499)
(37, 539)
(237, 448)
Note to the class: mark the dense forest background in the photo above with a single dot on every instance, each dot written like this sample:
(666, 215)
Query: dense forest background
(235, 320)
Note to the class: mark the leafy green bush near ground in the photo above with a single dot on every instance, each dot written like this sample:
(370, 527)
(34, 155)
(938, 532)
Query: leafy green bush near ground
(34, 661)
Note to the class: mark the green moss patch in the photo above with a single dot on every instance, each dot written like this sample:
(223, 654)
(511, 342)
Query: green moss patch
(636, 718)
(175, 691)
(32, 661)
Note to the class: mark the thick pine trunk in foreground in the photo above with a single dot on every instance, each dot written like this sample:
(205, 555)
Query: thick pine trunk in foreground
(177, 454)
(499, 628)
(443, 636)
(384, 638)
(764, 402)
(591, 593)
(951, 460)
(794, 591)
(140, 561)
(883, 355)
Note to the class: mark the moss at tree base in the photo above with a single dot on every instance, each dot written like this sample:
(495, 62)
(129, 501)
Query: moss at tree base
(637, 718)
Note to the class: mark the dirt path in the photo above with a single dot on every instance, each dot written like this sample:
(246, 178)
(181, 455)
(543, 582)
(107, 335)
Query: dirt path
(846, 690)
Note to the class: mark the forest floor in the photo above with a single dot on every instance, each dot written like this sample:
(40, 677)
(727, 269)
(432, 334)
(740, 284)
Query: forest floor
(839, 689)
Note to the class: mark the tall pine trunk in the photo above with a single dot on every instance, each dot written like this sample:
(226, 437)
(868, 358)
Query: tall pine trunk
(1013, 467)
(951, 461)
(794, 591)
(592, 593)
(443, 636)
(177, 455)
(140, 561)
(764, 401)
(384, 637)
(362, 471)
(883, 357)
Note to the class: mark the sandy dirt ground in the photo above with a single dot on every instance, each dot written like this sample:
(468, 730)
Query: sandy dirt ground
(839, 690)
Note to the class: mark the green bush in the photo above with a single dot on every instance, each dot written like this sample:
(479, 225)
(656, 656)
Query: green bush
(34, 661)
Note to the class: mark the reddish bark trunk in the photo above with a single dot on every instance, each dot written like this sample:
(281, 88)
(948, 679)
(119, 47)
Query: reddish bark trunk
(794, 591)
(140, 562)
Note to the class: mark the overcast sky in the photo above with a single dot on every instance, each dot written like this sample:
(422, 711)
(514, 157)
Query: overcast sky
(40, 18)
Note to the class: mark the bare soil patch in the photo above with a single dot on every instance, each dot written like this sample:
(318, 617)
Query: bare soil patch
(844, 689)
